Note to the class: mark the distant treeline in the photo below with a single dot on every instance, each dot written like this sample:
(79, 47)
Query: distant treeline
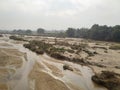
(40, 31)
(96, 32)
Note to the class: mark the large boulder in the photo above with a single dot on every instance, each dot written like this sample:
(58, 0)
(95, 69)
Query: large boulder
(67, 67)
(108, 79)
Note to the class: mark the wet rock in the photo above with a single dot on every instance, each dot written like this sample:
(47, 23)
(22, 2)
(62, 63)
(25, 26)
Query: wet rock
(40, 80)
(96, 64)
(100, 65)
(108, 79)
(67, 67)
(100, 47)
(95, 52)
(58, 56)
(105, 51)
(118, 67)
(38, 51)
(88, 52)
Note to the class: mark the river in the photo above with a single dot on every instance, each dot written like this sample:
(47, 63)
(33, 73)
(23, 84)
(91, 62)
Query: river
(20, 80)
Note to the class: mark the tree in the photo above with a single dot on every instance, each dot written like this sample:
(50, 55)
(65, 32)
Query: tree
(81, 33)
(116, 33)
(28, 32)
(93, 33)
(70, 32)
(40, 31)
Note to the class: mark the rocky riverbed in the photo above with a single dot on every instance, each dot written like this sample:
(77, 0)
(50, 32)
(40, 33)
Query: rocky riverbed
(23, 69)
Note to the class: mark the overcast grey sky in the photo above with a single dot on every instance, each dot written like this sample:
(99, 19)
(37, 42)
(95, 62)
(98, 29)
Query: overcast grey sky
(58, 14)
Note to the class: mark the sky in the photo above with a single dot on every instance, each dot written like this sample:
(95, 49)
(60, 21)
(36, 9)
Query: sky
(58, 14)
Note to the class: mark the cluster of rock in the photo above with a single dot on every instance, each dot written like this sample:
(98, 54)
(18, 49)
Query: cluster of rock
(108, 79)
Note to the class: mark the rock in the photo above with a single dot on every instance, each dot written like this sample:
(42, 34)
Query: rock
(100, 65)
(95, 52)
(38, 51)
(108, 79)
(105, 51)
(100, 47)
(67, 67)
(58, 56)
(88, 52)
(118, 67)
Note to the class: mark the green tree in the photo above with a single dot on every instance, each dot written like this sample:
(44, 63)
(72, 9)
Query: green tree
(81, 33)
(40, 31)
(28, 32)
(116, 33)
(71, 32)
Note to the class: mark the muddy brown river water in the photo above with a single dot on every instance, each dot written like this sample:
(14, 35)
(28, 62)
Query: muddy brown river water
(79, 80)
